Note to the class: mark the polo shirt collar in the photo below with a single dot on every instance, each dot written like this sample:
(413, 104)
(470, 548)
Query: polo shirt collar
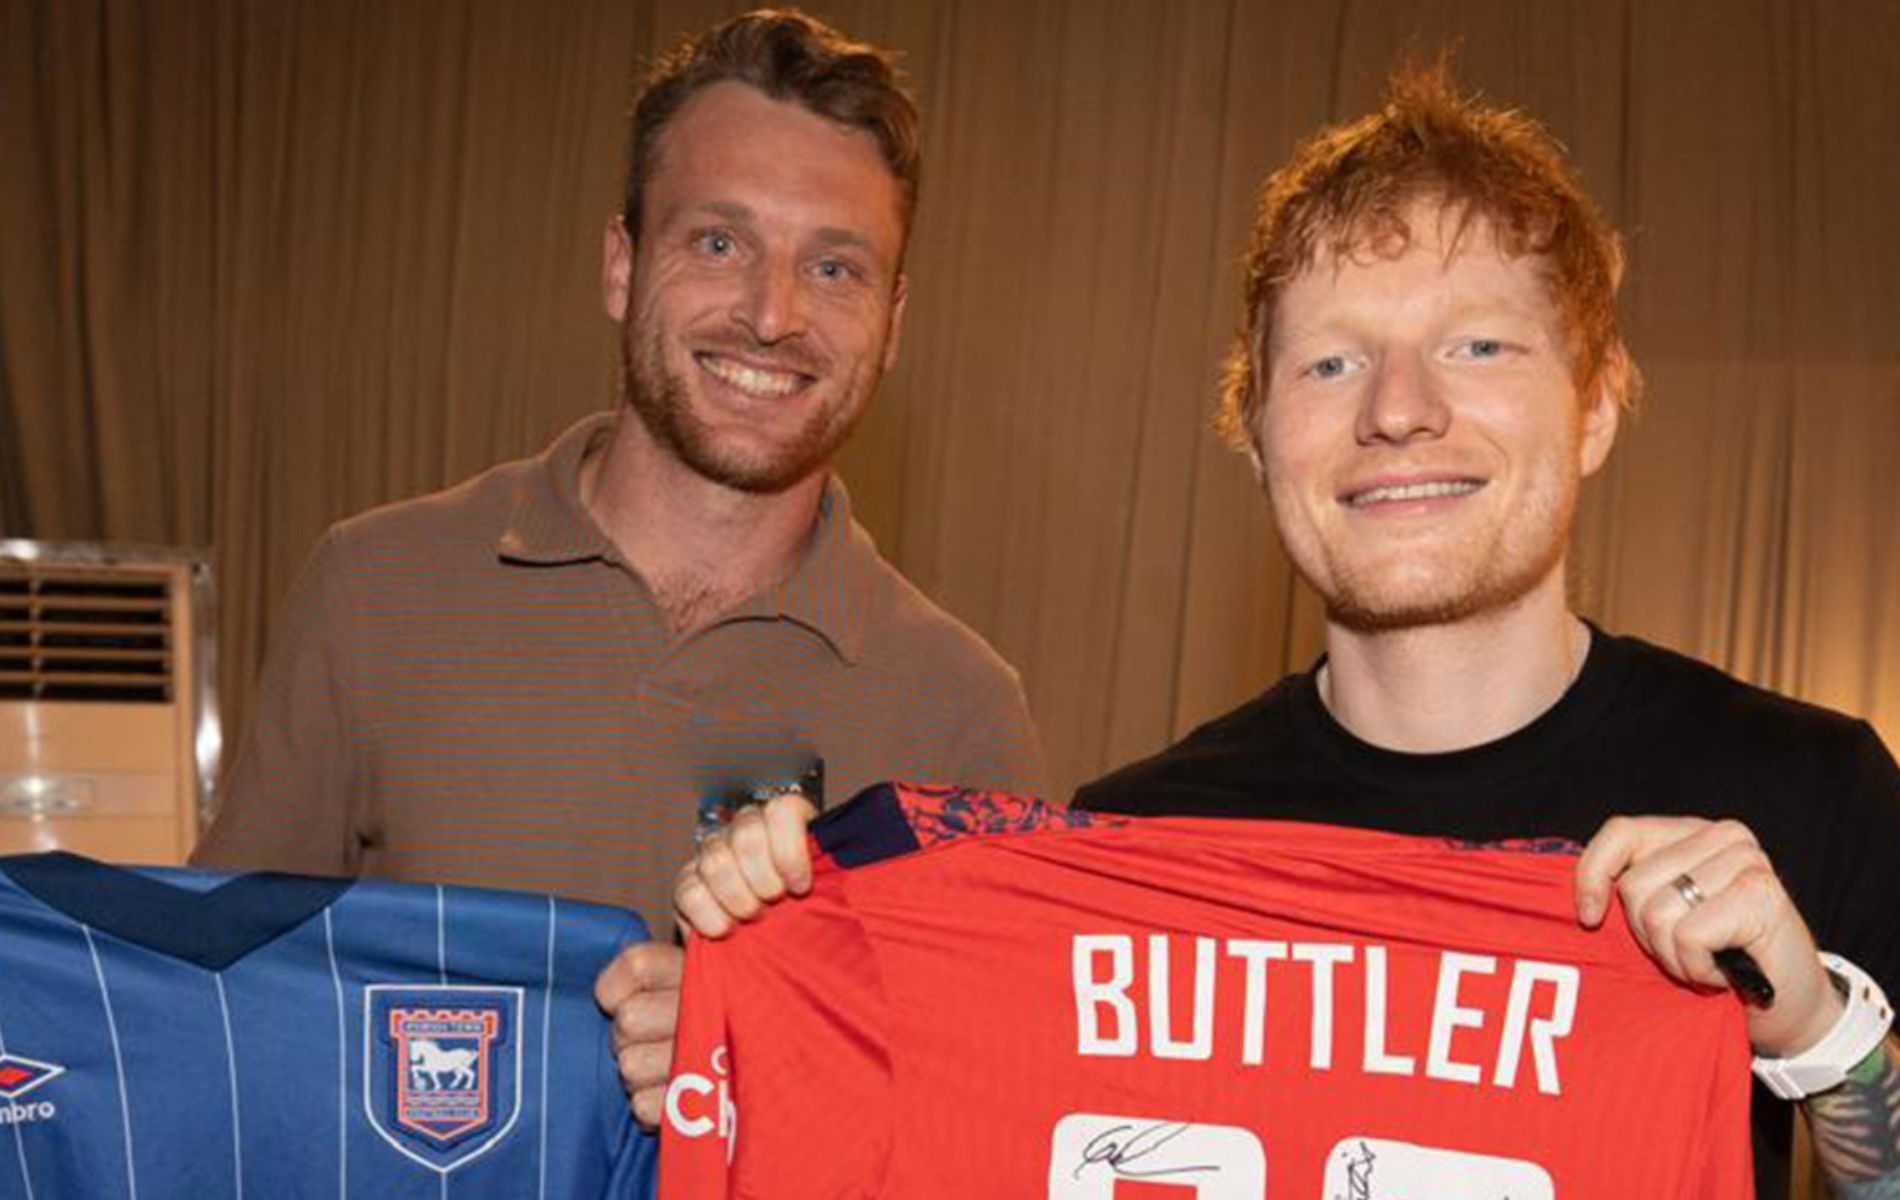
(547, 523)
(829, 591)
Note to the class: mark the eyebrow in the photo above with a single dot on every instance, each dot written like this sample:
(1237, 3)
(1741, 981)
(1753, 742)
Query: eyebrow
(832, 236)
(1483, 306)
(728, 210)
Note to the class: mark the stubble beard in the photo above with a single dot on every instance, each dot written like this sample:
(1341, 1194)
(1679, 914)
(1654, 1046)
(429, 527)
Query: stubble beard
(663, 402)
(1474, 577)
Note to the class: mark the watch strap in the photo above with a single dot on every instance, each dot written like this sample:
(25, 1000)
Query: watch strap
(1862, 1026)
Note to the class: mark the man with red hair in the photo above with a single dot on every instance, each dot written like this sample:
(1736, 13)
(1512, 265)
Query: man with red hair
(1428, 367)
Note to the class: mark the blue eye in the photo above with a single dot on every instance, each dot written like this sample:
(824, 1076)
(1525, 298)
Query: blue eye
(1330, 367)
(717, 243)
(835, 270)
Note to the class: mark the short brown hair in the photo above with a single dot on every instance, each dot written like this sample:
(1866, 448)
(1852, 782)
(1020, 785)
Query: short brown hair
(1347, 188)
(788, 56)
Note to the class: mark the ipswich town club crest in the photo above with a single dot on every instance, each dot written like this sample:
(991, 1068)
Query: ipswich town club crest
(442, 1069)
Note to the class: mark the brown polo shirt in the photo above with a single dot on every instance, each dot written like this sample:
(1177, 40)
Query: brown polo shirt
(470, 687)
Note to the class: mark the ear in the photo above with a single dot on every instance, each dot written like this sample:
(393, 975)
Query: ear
(899, 295)
(1604, 410)
(1256, 392)
(616, 269)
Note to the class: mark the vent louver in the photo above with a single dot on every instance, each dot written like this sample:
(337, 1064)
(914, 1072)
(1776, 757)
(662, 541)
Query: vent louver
(67, 633)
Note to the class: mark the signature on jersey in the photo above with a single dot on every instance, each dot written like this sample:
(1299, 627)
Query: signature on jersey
(1359, 1175)
(1136, 1151)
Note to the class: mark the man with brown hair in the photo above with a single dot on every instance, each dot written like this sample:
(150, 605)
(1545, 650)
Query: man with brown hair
(1428, 367)
(530, 679)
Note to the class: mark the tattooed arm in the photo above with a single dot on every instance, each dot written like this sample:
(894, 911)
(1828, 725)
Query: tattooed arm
(1690, 888)
(1856, 1128)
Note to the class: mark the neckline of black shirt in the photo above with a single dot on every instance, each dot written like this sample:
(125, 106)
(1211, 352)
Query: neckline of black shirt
(1588, 701)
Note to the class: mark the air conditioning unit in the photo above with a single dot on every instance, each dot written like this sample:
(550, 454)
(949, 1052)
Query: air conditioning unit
(109, 734)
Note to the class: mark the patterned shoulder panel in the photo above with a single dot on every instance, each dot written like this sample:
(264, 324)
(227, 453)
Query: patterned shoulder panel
(889, 819)
(942, 814)
(1529, 845)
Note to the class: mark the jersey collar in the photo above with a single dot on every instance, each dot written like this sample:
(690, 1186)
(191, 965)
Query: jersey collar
(211, 929)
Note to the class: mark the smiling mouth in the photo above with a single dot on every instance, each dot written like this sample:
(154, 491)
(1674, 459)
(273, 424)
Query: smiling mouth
(762, 382)
(1400, 492)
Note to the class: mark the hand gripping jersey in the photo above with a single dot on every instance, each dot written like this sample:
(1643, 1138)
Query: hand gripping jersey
(190, 1035)
(981, 998)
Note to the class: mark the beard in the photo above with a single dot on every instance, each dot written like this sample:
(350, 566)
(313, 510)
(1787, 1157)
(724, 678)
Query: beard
(1442, 583)
(664, 403)
(1379, 605)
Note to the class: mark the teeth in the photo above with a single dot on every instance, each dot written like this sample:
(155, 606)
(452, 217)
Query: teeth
(752, 380)
(1414, 491)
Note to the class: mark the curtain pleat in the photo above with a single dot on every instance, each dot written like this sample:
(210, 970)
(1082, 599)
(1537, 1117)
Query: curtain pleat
(264, 264)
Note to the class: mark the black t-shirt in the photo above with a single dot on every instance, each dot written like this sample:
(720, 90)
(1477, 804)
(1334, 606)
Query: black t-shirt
(1642, 731)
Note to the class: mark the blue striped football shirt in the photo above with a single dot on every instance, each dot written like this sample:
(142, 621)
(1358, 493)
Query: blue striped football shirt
(173, 1034)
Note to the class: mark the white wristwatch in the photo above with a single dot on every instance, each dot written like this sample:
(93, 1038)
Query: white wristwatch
(1824, 1065)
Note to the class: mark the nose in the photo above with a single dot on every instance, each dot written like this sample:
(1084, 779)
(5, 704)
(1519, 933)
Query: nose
(1402, 402)
(772, 305)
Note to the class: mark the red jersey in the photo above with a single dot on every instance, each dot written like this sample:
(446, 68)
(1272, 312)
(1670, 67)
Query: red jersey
(983, 998)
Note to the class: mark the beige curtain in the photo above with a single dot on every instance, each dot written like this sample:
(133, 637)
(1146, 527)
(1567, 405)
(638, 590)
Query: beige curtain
(267, 262)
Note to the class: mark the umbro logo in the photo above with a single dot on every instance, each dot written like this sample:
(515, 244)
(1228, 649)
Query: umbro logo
(18, 1076)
